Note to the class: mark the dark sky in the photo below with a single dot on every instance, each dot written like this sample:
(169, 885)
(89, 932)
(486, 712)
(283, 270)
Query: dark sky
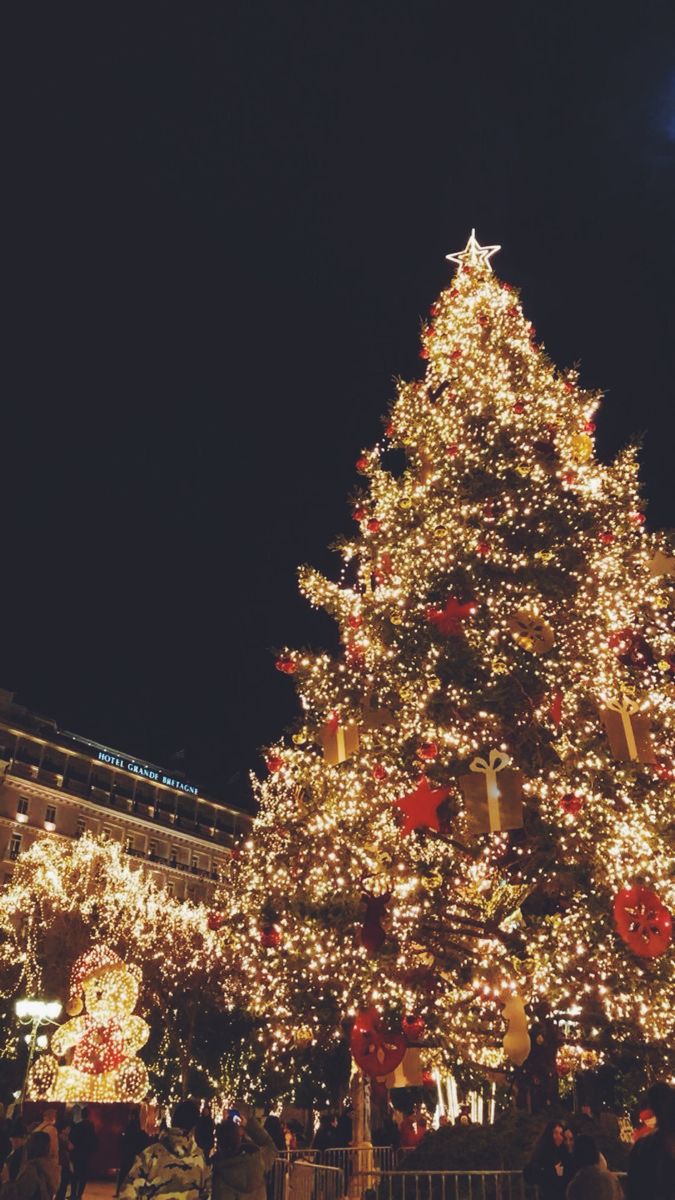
(222, 223)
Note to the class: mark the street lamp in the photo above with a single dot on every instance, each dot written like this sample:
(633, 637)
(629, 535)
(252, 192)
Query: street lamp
(35, 1013)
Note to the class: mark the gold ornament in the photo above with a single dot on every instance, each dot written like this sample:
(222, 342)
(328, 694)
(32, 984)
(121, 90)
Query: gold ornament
(500, 666)
(531, 631)
(303, 1035)
(523, 472)
(660, 602)
(407, 692)
(433, 683)
(396, 617)
(581, 446)
(544, 555)
(440, 531)
(664, 665)
(405, 502)
(301, 737)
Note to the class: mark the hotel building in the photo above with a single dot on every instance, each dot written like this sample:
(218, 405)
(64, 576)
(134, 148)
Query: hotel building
(55, 784)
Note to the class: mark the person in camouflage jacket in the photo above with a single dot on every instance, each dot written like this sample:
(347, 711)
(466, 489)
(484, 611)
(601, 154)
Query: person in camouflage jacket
(173, 1167)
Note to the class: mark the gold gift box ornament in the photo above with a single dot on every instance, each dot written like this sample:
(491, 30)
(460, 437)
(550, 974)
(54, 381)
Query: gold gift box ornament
(627, 730)
(339, 742)
(493, 794)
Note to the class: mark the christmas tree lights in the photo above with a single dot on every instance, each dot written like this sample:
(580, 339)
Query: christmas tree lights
(478, 610)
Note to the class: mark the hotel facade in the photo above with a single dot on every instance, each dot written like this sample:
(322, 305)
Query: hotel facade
(56, 784)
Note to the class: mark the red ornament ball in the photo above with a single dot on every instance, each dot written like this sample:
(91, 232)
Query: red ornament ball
(389, 429)
(435, 309)
(362, 464)
(607, 537)
(286, 665)
(512, 311)
(638, 518)
(359, 514)
(453, 450)
(642, 921)
(483, 548)
(428, 751)
(413, 1027)
(456, 353)
(355, 622)
(519, 407)
(373, 525)
(270, 937)
(424, 353)
(379, 772)
(571, 804)
(589, 426)
(569, 477)
(274, 763)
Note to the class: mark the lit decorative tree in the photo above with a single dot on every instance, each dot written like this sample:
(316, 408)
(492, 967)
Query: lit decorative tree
(475, 812)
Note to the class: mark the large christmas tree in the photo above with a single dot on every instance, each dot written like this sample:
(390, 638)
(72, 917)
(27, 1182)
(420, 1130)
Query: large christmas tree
(476, 810)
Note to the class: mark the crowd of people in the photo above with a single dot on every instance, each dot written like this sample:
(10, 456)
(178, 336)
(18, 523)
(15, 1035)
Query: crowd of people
(567, 1165)
(49, 1159)
(194, 1158)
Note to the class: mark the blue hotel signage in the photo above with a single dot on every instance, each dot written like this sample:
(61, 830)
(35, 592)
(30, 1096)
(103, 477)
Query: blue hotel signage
(152, 773)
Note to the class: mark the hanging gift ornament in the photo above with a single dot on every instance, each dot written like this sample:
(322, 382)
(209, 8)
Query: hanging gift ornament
(642, 921)
(374, 1050)
(493, 794)
(413, 1027)
(531, 631)
(627, 730)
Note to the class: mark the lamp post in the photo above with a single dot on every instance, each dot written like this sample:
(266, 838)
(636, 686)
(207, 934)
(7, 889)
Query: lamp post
(35, 1013)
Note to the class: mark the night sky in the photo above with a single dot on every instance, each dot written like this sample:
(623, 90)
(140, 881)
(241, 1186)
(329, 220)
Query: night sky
(222, 225)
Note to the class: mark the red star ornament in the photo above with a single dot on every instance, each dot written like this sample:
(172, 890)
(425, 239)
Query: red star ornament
(448, 620)
(420, 808)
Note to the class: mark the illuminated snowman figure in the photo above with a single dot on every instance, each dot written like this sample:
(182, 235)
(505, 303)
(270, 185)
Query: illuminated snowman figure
(100, 1041)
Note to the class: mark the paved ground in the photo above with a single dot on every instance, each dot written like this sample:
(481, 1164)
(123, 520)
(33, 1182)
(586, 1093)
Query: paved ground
(99, 1189)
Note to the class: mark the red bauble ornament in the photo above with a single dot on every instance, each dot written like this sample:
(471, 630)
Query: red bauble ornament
(512, 311)
(215, 921)
(373, 525)
(589, 426)
(270, 937)
(424, 353)
(274, 763)
(428, 751)
(413, 1027)
(453, 293)
(379, 772)
(483, 548)
(389, 429)
(643, 921)
(664, 769)
(435, 309)
(362, 464)
(638, 518)
(482, 318)
(452, 450)
(569, 477)
(456, 353)
(375, 1051)
(569, 387)
(571, 804)
(359, 514)
(519, 407)
(286, 665)
(355, 622)
(606, 536)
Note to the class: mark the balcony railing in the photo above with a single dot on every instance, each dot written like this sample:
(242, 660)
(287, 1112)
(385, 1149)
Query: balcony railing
(162, 861)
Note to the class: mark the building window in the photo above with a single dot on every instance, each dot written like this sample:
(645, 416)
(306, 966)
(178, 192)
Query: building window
(15, 846)
(80, 827)
(173, 857)
(50, 815)
(152, 848)
(170, 888)
(108, 831)
(128, 843)
(195, 861)
(22, 806)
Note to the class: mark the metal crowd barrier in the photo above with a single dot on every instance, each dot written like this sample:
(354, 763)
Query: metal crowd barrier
(447, 1185)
